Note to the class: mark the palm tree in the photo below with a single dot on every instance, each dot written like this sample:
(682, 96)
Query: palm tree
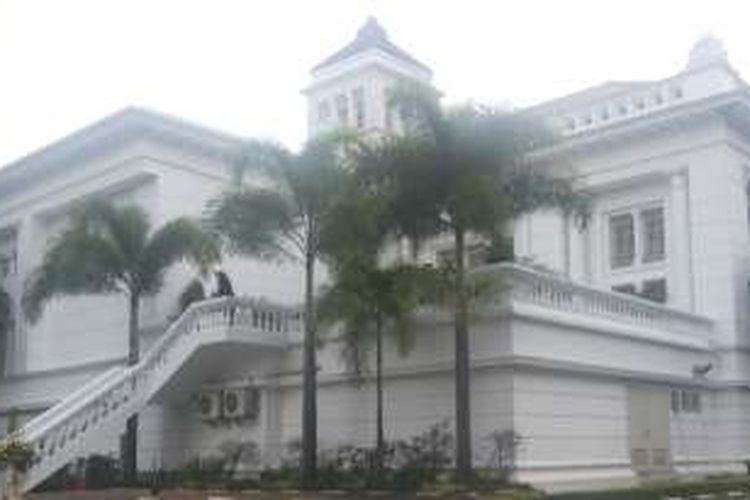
(106, 250)
(366, 299)
(464, 171)
(370, 302)
(282, 218)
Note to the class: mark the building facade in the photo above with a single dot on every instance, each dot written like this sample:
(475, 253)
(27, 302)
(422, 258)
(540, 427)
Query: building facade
(619, 349)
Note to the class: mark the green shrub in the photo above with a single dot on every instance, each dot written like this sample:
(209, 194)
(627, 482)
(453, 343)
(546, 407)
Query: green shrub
(204, 472)
(101, 471)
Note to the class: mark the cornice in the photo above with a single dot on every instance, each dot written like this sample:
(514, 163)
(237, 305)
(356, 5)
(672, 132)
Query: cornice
(512, 363)
(112, 132)
(669, 118)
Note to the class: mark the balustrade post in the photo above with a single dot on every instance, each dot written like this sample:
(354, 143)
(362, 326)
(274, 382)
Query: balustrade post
(13, 483)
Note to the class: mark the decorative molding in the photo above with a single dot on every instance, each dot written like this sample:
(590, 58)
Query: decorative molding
(67, 370)
(665, 118)
(112, 132)
(505, 362)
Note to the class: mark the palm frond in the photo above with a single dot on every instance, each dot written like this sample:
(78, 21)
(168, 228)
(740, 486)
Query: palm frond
(361, 295)
(355, 227)
(260, 156)
(78, 262)
(193, 292)
(317, 177)
(466, 166)
(258, 222)
(401, 169)
(180, 239)
(107, 249)
(530, 189)
(281, 215)
(419, 108)
(125, 227)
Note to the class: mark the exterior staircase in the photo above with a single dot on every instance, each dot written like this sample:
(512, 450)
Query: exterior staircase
(71, 428)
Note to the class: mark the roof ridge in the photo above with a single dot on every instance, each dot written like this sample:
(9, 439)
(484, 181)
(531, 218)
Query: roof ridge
(371, 35)
(128, 117)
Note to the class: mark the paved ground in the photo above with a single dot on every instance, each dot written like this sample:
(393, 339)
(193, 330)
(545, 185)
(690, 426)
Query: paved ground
(331, 495)
(256, 495)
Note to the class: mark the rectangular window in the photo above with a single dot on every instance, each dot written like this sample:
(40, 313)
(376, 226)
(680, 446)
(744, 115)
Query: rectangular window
(628, 288)
(8, 256)
(358, 100)
(324, 111)
(675, 401)
(655, 290)
(388, 108)
(686, 401)
(342, 109)
(637, 237)
(6, 266)
(696, 404)
(622, 240)
(652, 235)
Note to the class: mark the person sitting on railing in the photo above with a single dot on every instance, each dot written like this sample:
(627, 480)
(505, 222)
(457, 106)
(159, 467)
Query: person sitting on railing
(224, 289)
(223, 284)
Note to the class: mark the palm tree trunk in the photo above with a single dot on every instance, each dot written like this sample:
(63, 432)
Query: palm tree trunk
(462, 365)
(380, 443)
(309, 384)
(130, 439)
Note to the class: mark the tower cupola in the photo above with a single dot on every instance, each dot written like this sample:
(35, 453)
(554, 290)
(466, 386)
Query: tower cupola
(708, 51)
(349, 88)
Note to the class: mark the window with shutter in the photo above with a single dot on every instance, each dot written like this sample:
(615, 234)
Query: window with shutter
(652, 234)
(622, 240)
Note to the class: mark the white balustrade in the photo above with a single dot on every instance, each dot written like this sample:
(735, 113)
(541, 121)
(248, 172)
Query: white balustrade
(624, 105)
(525, 285)
(61, 434)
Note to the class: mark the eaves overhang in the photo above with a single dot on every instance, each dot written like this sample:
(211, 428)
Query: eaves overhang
(733, 105)
(122, 127)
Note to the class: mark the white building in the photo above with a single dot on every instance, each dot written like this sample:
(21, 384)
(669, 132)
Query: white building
(601, 385)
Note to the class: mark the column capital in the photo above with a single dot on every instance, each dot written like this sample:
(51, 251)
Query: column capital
(678, 179)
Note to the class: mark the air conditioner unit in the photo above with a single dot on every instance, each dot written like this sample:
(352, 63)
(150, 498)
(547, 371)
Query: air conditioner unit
(240, 403)
(209, 405)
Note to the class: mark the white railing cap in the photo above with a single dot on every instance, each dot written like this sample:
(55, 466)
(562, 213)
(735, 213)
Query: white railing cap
(528, 273)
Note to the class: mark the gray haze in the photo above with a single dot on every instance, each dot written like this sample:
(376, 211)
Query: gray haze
(239, 65)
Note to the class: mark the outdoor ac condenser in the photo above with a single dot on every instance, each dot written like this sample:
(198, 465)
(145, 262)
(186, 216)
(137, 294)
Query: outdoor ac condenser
(209, 405)
(240, 403)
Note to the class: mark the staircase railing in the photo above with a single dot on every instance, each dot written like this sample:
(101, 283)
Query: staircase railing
(68, 429)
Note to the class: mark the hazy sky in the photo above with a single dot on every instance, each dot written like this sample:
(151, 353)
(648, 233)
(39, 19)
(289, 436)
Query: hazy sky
(239, 65)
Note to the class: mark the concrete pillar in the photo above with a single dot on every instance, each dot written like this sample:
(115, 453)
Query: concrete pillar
(29, 256)
(576, 250)
(522, 246)
(678, 225)
(270, 422)
(596, 260)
